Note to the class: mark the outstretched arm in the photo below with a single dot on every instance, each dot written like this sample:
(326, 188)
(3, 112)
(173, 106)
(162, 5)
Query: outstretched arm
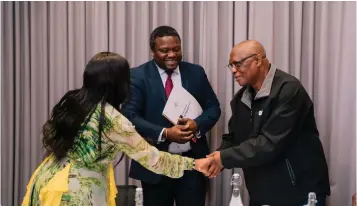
(127, 140)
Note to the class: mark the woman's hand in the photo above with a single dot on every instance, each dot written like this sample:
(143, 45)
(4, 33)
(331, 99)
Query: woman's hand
(202, 165)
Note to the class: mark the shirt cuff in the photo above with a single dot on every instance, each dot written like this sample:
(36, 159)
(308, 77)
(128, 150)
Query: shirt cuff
(161, 138)
(198, 134)
(189, 163)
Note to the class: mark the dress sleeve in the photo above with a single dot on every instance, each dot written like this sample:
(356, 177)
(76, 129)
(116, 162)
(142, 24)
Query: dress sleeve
(127, 140)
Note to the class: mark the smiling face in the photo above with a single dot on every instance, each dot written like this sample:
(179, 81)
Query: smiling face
(245, 62)
(243, 67)
(167, 52)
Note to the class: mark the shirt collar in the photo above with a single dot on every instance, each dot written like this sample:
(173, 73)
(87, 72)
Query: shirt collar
(162, 71)
(264, 90)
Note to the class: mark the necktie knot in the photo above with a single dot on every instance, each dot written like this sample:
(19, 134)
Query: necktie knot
(169, 72)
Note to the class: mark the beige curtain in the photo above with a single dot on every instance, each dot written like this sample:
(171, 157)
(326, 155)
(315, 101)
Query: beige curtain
(45, 46)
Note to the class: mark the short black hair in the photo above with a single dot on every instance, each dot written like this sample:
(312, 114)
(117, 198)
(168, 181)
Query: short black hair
(162, 31)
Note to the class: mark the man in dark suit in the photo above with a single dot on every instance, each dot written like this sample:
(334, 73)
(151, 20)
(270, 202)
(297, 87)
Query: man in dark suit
(151, 85)
(272, 133)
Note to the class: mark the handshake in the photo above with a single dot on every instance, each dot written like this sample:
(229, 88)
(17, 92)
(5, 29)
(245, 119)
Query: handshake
(183, 132)
(210, 166)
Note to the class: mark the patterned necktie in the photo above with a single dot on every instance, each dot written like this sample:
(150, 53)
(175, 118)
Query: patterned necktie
(168, 84)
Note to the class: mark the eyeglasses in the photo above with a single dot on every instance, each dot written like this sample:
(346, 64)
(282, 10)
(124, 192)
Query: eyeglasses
(239, 63)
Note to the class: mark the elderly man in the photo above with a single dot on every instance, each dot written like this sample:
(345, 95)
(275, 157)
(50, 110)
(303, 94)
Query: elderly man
(272, 133)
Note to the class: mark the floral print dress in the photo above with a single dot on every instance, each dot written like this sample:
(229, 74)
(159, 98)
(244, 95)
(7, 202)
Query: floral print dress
(86, 176)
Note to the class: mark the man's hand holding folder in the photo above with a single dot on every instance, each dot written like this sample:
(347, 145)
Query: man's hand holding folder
(181, 108)
(178, 133)
(191, 126)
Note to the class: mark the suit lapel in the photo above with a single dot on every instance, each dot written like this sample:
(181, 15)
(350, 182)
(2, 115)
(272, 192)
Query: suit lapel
(184, 76)
(155, 81)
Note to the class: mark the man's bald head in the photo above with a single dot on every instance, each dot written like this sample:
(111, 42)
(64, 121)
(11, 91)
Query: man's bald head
(248, 47)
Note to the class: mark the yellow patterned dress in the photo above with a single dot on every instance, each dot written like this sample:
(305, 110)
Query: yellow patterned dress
(82, 178)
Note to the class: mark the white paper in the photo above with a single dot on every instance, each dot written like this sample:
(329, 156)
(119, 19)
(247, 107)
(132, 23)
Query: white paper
(181, 102)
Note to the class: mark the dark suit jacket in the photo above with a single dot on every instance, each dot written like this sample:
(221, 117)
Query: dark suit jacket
(148, 100)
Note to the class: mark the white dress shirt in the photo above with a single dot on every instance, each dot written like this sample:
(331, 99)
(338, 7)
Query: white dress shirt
(174, 147)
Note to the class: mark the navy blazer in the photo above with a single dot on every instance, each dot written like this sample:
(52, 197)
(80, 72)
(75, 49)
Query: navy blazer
(147, 103)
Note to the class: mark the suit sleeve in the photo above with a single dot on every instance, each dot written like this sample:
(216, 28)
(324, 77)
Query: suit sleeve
(133, 109)
(210, 106)
(280, 127)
